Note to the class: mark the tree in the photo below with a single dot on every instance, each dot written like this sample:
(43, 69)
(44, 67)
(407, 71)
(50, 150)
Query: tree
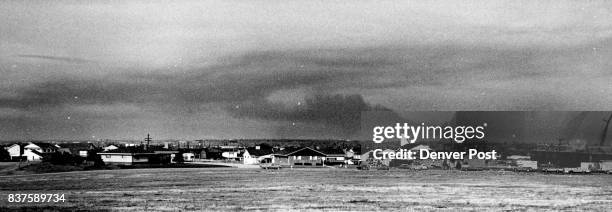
(62, 158)
(4, 155)
(92, 155)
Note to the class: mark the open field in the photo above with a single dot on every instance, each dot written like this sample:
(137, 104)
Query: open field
(7, 165)
(312, 189)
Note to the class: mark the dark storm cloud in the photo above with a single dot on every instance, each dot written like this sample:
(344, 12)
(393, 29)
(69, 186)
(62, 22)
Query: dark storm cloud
(56, 58)
(339, 111)
(556, 127)
(247, 78)
(76, 91)
(252, 77)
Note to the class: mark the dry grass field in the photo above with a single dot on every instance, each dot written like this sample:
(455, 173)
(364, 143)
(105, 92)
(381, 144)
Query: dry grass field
(232, 189)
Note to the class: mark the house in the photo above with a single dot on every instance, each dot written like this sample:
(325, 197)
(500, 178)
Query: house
(334, 156)
(353, 156)
(15, 150)
(605, 165)
(41, 147)
(80, 149)
(35, 151)
(32, 155)
(299, 157)
(257, 154)
(132, 156)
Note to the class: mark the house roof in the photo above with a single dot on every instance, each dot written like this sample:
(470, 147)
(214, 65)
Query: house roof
(306, 151)
(287, 150)
(77, 146)
(332, 151)
(129, 150)
(44, 145)
(259, 152)
(11, 145)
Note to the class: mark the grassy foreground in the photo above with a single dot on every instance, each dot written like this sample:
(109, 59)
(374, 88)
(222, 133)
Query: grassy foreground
(312, 189)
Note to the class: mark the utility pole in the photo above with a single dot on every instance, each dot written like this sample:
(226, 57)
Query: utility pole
(148, 140)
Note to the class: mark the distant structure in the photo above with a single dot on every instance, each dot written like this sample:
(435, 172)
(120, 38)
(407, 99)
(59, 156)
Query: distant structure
(148, 140)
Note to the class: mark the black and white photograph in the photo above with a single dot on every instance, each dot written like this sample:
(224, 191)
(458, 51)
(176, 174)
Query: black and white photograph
(305, 105)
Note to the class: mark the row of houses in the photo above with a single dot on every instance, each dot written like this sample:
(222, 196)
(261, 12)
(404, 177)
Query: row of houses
(110, 154)
(35, 151)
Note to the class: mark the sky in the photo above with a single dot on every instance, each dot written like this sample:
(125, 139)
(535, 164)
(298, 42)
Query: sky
(289, 69)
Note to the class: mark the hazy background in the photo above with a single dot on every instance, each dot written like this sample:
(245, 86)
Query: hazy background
(274, 69)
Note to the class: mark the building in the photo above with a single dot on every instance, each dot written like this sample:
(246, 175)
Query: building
(257, 154)
(591, 166)
(605, 165)
(352, 156)
(527, 164)
(522, 161)
(299, 157)
(32, 155)
(334, 156)
(133, 156)
(35, 151)
(15, 150)
(41, 147)
(80, 149)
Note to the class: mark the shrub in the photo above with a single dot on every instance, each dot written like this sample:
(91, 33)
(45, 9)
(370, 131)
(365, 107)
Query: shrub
(4, 155)
(62, 158)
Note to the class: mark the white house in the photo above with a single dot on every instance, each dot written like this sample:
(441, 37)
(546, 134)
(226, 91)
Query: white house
(34, 151)
(131, 158)
(14, 150)
(41, 147)
(257, 154)
(122, 158)
(32, 155)
(247, 158)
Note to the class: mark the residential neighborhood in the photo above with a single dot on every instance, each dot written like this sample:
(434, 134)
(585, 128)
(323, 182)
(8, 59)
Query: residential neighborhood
(269, 153)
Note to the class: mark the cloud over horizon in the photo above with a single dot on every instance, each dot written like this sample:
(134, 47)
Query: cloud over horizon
(197, 61)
